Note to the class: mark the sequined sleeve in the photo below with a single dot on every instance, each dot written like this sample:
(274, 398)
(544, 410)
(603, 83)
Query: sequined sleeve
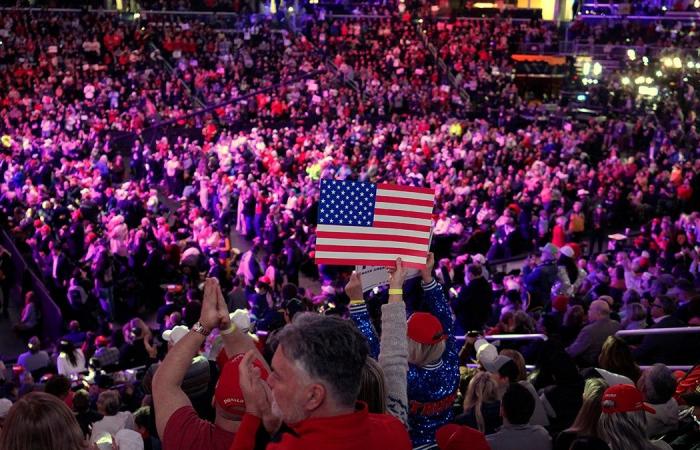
(439, 307)
(360, 315)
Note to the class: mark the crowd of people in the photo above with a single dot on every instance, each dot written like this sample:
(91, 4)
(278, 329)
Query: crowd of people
(136, 236)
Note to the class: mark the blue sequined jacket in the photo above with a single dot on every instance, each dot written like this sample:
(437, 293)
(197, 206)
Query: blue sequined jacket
(431, 389)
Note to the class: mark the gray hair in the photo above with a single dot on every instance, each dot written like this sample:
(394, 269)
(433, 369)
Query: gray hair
(328, 349)
(657, 384)
(623, 431)
(110, 402)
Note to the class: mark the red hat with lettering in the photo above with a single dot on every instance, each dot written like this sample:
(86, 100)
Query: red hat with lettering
(623, 398)
(228, 393)
(425, 328)
(457, 437)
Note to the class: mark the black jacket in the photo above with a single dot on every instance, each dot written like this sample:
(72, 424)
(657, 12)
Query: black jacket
(668, 348)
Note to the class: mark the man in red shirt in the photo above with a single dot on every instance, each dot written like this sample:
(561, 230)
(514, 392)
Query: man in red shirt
(178, 425)
(313, 387)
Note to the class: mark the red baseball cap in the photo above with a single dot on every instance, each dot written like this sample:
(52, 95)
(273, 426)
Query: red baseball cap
(228, 393)
(425, 328)
(623, 398)
(560, 303)
(457, 437)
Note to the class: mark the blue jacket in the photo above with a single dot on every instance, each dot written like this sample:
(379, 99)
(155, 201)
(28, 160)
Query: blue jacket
(431, 389)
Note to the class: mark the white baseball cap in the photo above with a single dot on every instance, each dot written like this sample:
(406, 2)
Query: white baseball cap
(174, 335)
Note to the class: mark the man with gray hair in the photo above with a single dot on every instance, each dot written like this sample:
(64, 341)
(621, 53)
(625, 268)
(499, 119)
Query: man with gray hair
(589, 341)
(657, 384)
(313, 389)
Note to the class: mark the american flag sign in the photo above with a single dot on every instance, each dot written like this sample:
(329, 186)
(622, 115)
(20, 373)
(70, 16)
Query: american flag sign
(373, 224)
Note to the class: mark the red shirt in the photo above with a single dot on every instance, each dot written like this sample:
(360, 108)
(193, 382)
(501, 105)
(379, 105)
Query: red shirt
(186, 431)
(357, 431)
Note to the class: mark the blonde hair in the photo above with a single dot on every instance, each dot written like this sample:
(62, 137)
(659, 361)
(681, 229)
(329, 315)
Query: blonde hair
(423, 354)
(482, 389)
(373, 387)
(625, 430)
(586, 422)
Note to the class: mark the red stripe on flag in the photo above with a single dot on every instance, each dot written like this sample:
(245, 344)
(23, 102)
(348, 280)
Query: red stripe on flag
(401, 226)
(404, 200)
(366, 262)
(399, 213)
(371, 237)
(396, 187)
(363, 249)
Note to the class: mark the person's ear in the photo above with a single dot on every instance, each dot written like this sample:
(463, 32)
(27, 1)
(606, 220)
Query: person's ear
(315, 397)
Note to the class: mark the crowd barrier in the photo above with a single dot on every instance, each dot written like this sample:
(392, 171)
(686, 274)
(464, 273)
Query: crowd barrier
(645, 331)
(508, 337)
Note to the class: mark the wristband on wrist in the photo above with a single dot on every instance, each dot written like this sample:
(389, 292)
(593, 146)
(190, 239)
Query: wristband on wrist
(201, 329)
(229, 330)
(395, 291)
(356, 302)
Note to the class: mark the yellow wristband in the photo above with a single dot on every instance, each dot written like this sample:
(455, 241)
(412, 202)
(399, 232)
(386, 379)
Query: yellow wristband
(229, 330)
(395, 291)
(356, 302)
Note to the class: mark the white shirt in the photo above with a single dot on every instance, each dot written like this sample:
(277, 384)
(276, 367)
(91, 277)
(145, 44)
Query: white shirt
(65, 367)
(659, 319)
(112, 424)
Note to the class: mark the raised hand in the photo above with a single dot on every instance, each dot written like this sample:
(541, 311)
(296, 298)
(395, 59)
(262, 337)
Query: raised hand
(210, 317)
(397, 275)
(256, 392)
(427, 272)
(222, 309)
(354, 287)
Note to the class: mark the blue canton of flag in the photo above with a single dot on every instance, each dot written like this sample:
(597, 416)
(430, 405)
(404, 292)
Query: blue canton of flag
(349, 203)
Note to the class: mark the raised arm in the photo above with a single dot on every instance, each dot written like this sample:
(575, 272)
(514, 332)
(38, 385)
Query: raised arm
(360, 315)
(437, 303)
(393, 353)
(435, 297)
(168, 395)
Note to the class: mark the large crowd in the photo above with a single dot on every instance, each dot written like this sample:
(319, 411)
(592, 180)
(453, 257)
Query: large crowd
(175, 230)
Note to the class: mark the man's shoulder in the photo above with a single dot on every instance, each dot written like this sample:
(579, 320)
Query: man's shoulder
(389, 428)
(669, 322)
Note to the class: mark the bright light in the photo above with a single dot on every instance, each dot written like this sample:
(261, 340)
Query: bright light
(663, 8)
(639, 80)
(137, 16)
(685, 79)
(691, 65)
(668, 62)
(597, 69)
(677, 63)
(651, 91)
(290, 10)
(645, 60)
(649, 80)
(631, 54)
(584, 81)
(586, 68)
(625, 81)
(484, 5)
(581, 97)
(696, 3)
(659, 73)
